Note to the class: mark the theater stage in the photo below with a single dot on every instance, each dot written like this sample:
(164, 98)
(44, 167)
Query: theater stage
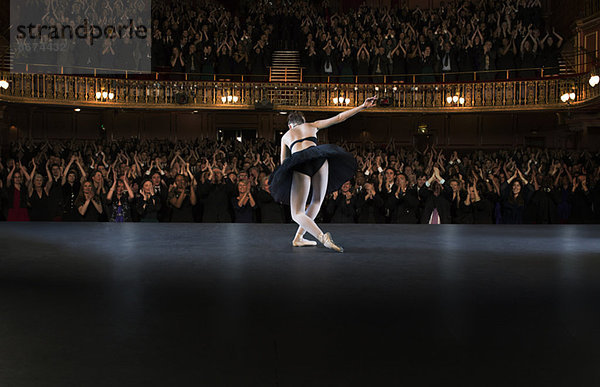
(236, 305)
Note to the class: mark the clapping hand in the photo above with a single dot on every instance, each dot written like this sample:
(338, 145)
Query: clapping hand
(145, 195)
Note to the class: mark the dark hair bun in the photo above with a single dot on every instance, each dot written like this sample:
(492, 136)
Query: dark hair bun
(296, 118)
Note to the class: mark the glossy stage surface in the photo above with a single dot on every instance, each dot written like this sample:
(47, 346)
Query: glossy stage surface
(236, 305)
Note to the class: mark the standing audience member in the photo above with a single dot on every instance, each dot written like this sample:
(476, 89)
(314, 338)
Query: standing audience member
(437, 207)
(342, 206)
(16, 182)
(515, 196)
(89, 203)
(148, 203)
(269, 210)
(182, 197)
(370, 205)
(118, 200)
(39, 199)
(243, 204)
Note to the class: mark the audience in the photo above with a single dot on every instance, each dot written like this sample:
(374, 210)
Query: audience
(367, 42)
(457, 37)
(203, 37)
(207, 40)
(209, 181)
(118, 53)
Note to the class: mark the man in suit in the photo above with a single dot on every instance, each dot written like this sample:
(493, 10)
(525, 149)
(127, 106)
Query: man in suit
(449, 63)
(162, 191)
(192, 61)
(406, 203)
(487, 62)
(379, 65)
(387, 189)
(437, 207)
(370, 205)
(422, 192)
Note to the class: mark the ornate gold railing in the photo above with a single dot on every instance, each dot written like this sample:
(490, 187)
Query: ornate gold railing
(80, 91)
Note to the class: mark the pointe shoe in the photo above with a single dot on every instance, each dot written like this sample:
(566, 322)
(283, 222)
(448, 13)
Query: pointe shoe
(330, 244)
(301, 242)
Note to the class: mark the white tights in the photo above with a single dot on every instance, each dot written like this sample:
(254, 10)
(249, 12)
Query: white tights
(301, 185)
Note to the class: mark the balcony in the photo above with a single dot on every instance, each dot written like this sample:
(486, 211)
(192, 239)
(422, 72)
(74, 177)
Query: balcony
(124, 92)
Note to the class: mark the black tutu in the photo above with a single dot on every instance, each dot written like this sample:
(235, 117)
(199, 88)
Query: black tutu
(342, 167)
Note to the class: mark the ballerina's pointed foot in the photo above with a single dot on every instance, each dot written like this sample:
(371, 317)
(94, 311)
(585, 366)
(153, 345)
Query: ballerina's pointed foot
(301, 242)
(330, 244)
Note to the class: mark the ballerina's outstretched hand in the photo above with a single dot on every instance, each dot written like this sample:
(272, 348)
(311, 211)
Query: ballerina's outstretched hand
(370, 102)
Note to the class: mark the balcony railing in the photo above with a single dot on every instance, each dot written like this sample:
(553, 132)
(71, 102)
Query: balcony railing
(81, 91)
(164, 74)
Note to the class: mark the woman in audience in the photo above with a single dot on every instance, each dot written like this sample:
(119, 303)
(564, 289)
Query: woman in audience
(16, 182)
(243, 204)
(70, 189)
(342, 206)
(182, 197)
(148, 204)
(481, 209)
(551, 52)
(98, 183)
(89, 203)
(39, 201)
(215, 194)
(516, 194)
(118, 200)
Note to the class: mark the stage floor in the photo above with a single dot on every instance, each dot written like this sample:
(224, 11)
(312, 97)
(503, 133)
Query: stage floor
(236, 305)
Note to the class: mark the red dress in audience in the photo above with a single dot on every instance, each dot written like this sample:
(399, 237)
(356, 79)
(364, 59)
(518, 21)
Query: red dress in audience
(17, 213)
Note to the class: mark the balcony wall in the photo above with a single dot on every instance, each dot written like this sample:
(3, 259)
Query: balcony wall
(470, 130)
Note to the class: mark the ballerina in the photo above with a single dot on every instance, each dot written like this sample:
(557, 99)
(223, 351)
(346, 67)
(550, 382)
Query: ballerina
(304, 163)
